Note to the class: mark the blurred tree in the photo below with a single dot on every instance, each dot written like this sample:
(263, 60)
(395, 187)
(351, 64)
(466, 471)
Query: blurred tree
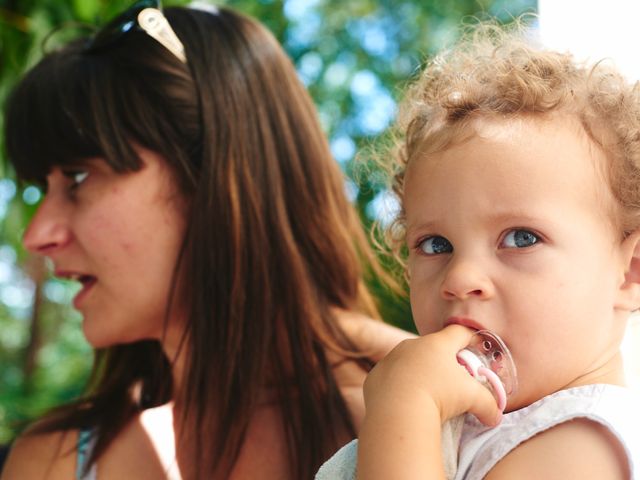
(353, 56)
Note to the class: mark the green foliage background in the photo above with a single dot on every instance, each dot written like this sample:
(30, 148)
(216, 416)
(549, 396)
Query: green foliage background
(354, 56)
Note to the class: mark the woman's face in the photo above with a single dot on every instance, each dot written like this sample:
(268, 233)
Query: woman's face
(119, 235)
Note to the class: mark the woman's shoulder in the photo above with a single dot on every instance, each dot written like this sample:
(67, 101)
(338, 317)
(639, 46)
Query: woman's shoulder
(35, 456)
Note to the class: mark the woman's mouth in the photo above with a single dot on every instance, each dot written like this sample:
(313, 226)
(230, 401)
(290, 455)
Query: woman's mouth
(87, 281)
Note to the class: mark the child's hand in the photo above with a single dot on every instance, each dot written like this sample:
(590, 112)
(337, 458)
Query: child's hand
(408, 396)
(424, 372)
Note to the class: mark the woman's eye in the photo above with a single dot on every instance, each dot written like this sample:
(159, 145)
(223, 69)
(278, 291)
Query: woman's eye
(76, 177)
(520, 239)
(435, 246)
(79, 177)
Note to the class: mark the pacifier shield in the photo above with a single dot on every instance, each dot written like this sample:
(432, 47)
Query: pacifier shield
(486, 353)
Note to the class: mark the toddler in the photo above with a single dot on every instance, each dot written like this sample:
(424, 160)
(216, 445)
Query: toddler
(518, 176)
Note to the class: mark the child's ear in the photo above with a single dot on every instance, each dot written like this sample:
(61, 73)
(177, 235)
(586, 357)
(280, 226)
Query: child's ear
(629, 292)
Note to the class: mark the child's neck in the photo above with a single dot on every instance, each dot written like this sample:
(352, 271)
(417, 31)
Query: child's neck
(611, 371)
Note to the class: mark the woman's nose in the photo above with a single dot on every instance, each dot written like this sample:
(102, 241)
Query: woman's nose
(48, 229)
(466, 279)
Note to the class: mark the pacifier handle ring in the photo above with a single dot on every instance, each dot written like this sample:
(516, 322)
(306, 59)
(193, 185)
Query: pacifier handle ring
(496, 384)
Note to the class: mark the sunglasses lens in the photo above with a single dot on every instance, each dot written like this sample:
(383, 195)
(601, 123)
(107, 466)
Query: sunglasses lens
(120, 25)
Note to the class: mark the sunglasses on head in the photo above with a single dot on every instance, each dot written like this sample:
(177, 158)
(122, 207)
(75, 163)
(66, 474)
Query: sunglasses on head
(146, 16)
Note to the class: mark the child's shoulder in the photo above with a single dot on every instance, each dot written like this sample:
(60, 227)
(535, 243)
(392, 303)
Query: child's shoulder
(36, 456)
(560, 431)
(578, 448)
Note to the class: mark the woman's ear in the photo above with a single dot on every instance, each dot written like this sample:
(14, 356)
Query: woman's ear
(629, 291)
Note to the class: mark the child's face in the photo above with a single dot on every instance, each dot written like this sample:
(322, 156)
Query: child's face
(510, 231)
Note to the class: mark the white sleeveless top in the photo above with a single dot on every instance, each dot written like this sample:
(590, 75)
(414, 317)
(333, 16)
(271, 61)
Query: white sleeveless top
(481, 447)
(616, 408)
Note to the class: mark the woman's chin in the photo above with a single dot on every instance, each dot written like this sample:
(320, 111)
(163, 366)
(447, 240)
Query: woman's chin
(102, 338)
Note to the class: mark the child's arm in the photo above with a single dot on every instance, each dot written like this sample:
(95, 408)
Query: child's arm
(408, 396)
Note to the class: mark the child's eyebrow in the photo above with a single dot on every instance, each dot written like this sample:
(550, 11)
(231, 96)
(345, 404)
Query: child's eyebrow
(422, 226)
(511, 216)
(518, 217)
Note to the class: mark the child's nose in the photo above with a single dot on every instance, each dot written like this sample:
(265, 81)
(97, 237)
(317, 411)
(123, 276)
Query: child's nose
(48, 230)
(466, 279)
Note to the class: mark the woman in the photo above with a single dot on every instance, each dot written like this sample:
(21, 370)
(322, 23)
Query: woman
(191, 193)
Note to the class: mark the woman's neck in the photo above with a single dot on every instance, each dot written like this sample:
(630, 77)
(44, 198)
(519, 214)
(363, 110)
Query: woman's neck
(175, 346)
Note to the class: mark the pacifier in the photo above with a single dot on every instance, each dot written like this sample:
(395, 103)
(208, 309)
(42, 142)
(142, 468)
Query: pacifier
(489, 361)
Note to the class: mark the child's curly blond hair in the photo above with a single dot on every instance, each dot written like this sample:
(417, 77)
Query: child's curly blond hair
(495, 72)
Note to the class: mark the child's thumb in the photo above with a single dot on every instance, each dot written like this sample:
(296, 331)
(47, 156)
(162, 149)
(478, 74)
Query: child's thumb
(486, 409)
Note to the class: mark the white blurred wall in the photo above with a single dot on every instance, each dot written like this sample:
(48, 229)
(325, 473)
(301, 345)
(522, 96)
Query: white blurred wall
(593, 30)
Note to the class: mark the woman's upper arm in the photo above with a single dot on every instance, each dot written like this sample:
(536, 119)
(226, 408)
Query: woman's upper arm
(373, 336)
(375, 339)
(49, 456)
(576, 449)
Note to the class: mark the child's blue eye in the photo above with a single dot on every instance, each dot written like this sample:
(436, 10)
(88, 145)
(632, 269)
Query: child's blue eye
(435, 245)
(520, 239)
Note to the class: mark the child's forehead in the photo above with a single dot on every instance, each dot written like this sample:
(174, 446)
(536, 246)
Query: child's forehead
(497, 143)
(559, 139)
(565, 132)
(500, 129)
(526, 156)
(524, 131)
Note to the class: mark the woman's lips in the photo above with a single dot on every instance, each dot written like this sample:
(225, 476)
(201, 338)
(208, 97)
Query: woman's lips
(87, 282)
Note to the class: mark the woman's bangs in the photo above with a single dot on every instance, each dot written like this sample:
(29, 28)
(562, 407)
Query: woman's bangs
(55, 103)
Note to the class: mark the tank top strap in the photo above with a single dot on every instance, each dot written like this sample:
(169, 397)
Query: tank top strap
(86, 444)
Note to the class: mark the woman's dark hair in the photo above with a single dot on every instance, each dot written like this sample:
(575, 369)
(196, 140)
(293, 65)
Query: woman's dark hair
(272, 246)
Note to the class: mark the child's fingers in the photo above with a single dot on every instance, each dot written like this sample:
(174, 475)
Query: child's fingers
(457, 335)
(483, 405)
(427, 368)
(485, 408)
